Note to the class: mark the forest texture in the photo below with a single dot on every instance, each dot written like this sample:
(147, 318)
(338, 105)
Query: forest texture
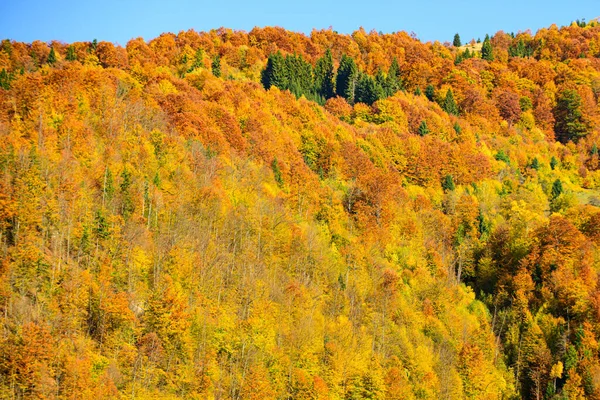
(270, 215)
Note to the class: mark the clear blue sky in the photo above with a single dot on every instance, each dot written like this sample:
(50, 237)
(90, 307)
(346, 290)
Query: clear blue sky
(120, 20)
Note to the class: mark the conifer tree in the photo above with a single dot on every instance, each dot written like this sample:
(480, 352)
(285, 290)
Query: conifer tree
(450, 104)
(456, 42)
(570, 124)
(347, 77)
(216, 66)
(52, 56)
(423, 129)
(448, 184)
(275, 73)
(486, 49)
(430, 92)
(71, 56)
(324, 76)
(394, 80)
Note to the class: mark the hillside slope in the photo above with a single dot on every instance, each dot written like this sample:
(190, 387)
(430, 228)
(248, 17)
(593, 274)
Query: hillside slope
(171, 229)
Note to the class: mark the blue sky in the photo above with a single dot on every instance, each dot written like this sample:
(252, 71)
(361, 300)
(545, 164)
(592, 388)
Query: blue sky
(120, 20)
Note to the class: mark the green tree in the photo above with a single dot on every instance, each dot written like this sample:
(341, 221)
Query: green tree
(535, 164)
(300, 76)
(52, 56)
(5, 79)
(456, 42)
(423, 129)
(71, 56)
(430, 92)
(275, 73)
(418, 91)
(553, 163)
(216, 66)
(347, 77)
(394, 80)
(569, 121)
(487, 52)
(324, 76)
(450, 105)
(448, 183)
(368, 90)
(557, 189)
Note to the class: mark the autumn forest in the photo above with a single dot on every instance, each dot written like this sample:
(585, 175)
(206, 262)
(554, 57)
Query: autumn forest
(274, 215)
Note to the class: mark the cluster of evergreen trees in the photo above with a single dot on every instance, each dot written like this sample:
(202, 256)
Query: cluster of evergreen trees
(322, 82)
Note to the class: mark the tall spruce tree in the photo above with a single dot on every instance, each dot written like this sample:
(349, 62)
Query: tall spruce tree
(394, 80)
(71, 56)
(570, 124)
(430, 92)
(487, 52)
(216, 66)
(456, 42)
(449, 104)
(324, 76)
(347, 77)
(275, 73)
(52, 56)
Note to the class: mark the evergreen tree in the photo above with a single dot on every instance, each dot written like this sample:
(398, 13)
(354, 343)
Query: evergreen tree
(347, 77)
(557, 189)
(300, 76)
(456, 42)
(457, 128)
(450, 105)
(368, 91)
(52, 56)
(418, 91)
(448, 184)
(535, 164)
(71, 56)
(430, 92)
(198, 60)
(324, 76)
(216, 66)
(275, 73)
(394, 80)
(553, 163)
(5, 79)
(94, 45)
(594, 150)
(487, 52)
(423, 129)
(570, 124)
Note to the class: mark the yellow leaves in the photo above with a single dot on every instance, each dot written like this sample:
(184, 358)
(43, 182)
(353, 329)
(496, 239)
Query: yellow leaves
(166, 87)
(557, 370)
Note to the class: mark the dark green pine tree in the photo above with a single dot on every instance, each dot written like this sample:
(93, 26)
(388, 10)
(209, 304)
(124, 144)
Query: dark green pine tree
(347, 77)
(535, 164)
(300, 76)
(418, 91)
(553, 163)
(324, 76)
(557, 189)
(71, 56)
(52, 56)
(216, 66)
(487, 53)
(423, 129)
(430, 92)
(275, 73)
(569, 122)
(450, 105)
(456, 42)
(394, 80)
(457, 128)
(368, 91)
(5, 79)
(594, 150)
(198, 60)
(448, 184)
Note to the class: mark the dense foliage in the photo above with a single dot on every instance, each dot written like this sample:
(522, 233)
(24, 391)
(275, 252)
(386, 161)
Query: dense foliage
(169, 228)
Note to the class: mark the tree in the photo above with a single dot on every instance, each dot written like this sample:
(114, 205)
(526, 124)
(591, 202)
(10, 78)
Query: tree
(324, 76)
(430, 92)
(448, 183)
(216, 66)
(553, 163)
(275, 73)
(570, 124)
(535, 164)
(368, 90)
(71, 56)
(423, 129)
(347, 77)
(456, 42)
(487, 53)
(557, 189)
(5, 79)
(450, 105)
(52, 56)
(394, 80)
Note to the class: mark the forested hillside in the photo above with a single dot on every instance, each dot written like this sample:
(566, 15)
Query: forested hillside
(270, 215)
